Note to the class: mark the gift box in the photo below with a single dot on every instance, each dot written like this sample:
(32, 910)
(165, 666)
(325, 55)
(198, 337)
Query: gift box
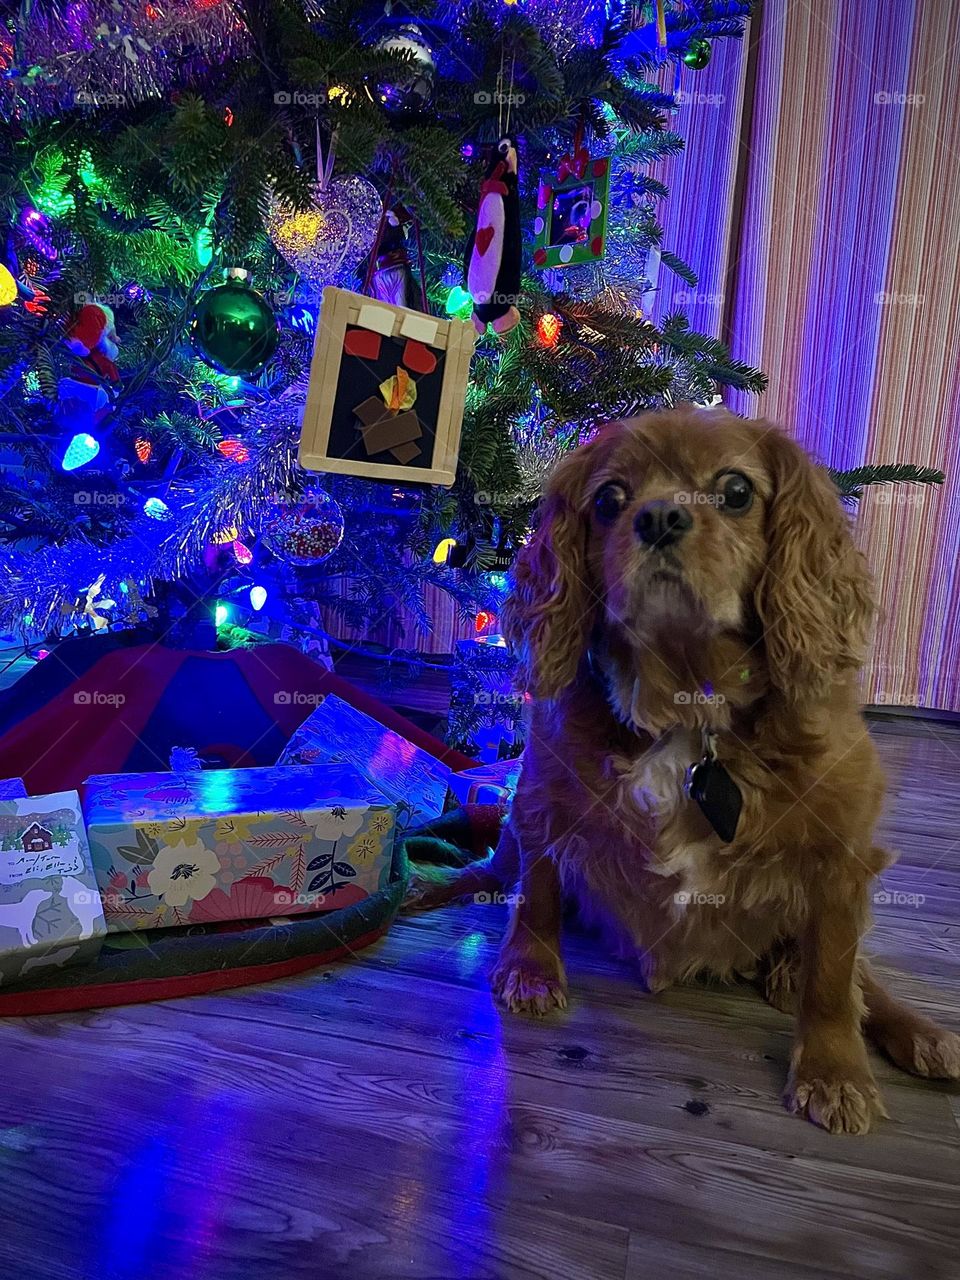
(12, 789)
(336, 732)
(486, 784)
(50, 910)
(235, 844)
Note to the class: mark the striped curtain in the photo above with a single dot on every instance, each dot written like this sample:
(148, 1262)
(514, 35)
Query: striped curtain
(819, 198)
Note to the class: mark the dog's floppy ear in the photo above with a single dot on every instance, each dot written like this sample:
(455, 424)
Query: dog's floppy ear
(549, 613)
(815, 598)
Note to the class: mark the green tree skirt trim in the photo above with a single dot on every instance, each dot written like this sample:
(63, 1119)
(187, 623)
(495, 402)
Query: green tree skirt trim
(160, 964)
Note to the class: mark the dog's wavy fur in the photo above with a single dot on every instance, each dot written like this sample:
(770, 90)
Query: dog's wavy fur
(751, 627)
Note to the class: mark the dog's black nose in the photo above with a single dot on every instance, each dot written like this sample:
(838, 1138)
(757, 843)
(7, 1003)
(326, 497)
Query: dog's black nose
(661, 523)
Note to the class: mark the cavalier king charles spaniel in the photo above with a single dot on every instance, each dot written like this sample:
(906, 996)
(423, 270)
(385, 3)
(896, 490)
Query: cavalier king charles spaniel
(691, 616)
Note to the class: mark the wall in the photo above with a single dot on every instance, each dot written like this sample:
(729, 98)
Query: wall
(821, 201)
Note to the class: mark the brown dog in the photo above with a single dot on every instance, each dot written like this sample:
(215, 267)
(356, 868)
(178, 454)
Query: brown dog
(692, 594)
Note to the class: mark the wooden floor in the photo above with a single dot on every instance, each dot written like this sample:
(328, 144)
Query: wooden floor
(383, 1119)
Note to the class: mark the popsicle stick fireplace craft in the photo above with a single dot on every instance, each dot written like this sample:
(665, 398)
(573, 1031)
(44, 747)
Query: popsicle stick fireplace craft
(386, 394)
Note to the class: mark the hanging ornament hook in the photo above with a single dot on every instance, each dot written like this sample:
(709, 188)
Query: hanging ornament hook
(325, 164)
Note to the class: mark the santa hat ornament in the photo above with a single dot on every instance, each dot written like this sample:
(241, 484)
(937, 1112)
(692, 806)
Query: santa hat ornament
(82, 398)
(93, 329)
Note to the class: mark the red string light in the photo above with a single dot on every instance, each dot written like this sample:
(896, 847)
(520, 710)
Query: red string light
(548, 329)
(235, 450)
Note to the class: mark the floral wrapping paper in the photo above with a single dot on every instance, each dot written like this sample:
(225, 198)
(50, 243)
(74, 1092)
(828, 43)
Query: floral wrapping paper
(235, 844)
(50, 912)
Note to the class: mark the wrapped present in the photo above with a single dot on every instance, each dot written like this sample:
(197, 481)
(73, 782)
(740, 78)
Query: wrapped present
(336, 732)
(486, 784)
(235, 844)
(12, 789)
(50, 909)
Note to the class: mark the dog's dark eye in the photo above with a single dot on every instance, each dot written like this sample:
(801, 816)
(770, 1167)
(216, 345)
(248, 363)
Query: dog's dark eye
(736, 491)
(609, 502)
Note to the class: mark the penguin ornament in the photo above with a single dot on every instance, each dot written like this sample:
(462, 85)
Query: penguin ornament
(493, 254)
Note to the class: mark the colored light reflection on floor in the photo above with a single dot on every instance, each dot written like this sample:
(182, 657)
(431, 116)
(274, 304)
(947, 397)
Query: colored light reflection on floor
(457, 1173)
(164, 1209)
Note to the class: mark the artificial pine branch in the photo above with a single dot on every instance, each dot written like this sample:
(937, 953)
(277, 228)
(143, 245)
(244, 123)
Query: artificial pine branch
(852, 482)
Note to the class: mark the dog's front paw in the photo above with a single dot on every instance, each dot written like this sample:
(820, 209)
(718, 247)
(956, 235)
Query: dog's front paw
(932, 1052)
(839, 1098)
(528, 985)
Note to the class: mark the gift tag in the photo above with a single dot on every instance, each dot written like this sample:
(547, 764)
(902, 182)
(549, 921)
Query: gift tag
(717, 795)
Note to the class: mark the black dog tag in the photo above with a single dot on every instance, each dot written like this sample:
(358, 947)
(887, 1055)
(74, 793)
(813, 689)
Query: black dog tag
(717, 795)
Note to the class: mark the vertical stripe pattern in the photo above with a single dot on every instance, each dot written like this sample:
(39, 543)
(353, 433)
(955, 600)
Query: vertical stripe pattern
(846, 294)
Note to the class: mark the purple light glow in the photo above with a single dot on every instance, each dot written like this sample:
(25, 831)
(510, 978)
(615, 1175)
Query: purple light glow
(36, 229)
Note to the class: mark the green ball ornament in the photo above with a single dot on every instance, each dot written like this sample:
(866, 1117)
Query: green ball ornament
(697, 54)
(233, 328)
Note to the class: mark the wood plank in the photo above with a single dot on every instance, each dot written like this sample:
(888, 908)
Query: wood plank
(382, 1118)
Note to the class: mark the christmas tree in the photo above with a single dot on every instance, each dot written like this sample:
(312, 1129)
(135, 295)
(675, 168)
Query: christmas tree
(151, 457)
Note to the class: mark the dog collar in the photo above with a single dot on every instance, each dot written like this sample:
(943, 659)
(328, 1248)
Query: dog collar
(707, 781)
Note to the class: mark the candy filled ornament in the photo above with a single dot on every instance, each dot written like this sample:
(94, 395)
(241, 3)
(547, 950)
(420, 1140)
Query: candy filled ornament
(305, 532)
(493, 257)
(233, 328)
